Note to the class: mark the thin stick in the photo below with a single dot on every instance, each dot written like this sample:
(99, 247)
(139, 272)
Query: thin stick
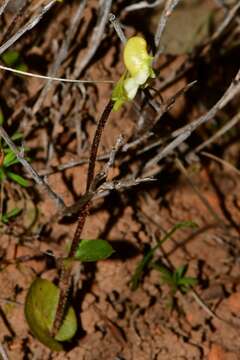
(117, 27)
(202, 304)
(123, 184)
(211, 313)
(229, 94)
(227, 20)
(44, 77)
(19, 13)
(221, 161)
(185, 132)
(3, 353)
(61, 54)
(3, 6)
(33, 22)
(228, 126)
(142, 5)
(31, 171)
(167, 150)
(205, 202)
(168, 9)
(105, 7)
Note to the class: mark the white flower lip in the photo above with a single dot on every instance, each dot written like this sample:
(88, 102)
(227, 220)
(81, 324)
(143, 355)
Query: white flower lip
(131, 87)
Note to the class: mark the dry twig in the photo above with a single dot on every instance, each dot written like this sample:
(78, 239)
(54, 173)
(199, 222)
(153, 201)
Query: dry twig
(221, 161)
(167, 11)
(31, 171)
(117, 27)
(105, 7)
(3, 6)
(31, 24)
(51, 78)
(142, 5)
(61, 55)
(228, 126)
(203, 199)
(3, 353)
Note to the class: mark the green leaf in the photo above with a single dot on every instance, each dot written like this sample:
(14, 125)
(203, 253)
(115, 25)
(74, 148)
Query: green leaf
(21, 67)
(10, 57)
(2, 174)
(40, 309)
(180, 225)
(16, 136)
(165, 272)
(10, 159)
(93, 250)
(187, 281)
(180, 272)
(18, 179)
(138, 273)
(119, 95)
(1, 118)
(145, 262)
(11, 214)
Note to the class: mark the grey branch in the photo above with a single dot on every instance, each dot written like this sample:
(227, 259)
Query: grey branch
(142, 5)
(3, 353)
(121, 184)
(167, 11)
(97, 35)
(220, 30)
(228, 126)
(61, 55)
(115, 23)
(3, 6)
(183, 133)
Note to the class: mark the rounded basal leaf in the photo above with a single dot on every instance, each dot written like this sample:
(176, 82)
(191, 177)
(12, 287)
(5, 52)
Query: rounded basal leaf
(93, 250)
(40, 309)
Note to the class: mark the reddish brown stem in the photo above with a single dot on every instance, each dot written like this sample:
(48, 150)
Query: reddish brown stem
(65, 276)
(96, 142)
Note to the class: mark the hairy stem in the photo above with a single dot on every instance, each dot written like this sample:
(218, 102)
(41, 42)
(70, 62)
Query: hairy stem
(65, 274)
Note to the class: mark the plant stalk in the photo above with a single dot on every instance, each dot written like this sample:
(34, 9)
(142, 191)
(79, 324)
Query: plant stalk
(65, 280)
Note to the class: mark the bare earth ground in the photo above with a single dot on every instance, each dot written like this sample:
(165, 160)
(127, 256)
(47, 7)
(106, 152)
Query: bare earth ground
(114, 321)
